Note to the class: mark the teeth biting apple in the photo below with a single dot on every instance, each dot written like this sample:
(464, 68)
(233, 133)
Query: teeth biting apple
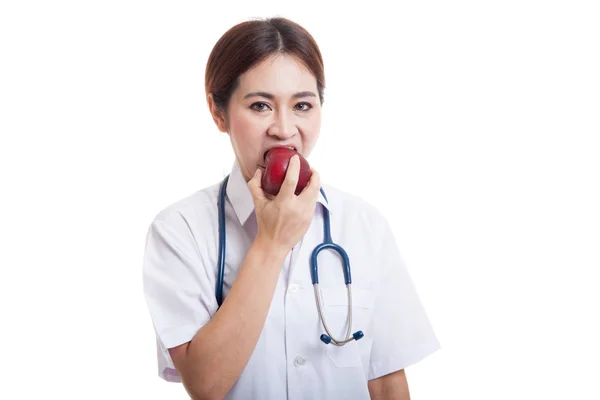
(266, 152)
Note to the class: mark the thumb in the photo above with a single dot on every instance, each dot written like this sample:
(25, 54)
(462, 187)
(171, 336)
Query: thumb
(255, 186)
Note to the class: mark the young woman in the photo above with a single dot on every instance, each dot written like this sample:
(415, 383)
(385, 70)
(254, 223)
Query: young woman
(272, 334)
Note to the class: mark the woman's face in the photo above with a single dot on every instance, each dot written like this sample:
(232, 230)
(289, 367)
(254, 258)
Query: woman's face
(276, 104)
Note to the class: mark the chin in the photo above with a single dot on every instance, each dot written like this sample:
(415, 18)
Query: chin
(249, 172)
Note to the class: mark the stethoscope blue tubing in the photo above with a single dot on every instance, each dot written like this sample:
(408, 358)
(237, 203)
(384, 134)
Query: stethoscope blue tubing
(327, 244)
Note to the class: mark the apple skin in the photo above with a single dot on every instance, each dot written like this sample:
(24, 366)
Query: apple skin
(276, 163)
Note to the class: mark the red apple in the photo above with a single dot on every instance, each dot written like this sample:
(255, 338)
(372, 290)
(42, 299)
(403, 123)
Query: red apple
(276, 163)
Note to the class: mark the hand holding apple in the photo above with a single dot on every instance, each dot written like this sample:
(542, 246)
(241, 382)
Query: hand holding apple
(284, 218)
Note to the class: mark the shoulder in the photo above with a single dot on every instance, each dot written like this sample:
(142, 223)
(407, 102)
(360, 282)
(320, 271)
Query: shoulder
(195, 210)
(353, 208)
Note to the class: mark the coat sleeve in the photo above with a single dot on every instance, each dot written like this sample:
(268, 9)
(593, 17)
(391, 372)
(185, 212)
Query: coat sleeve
(178, 292)
(402, 332)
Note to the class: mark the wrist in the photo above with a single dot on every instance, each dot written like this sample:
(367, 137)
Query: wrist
(270, 248)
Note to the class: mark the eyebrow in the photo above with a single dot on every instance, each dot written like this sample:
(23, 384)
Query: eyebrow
(271, 97)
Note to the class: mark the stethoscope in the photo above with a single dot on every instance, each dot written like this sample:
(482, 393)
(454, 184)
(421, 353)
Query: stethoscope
(327, 244)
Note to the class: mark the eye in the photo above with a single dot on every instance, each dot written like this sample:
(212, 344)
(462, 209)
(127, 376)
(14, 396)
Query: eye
(260, 106)
(306, 106)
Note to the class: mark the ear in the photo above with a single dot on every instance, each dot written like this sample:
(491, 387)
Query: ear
(217, 114)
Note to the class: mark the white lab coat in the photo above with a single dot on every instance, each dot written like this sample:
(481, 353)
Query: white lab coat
(289, 361)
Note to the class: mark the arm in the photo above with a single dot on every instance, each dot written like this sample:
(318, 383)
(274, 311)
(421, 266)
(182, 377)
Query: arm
(392, 386)
(210, 364)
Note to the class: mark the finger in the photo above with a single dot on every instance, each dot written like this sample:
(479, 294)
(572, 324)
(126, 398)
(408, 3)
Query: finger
(255, 186)
(288, 187)
(311, 190)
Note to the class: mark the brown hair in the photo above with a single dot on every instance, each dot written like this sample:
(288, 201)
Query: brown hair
(248, 43)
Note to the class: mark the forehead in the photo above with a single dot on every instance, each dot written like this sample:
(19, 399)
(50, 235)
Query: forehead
(281, 75)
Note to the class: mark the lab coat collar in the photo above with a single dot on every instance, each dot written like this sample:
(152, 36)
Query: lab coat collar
(241, 199)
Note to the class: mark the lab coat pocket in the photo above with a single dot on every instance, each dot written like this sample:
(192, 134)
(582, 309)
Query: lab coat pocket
(335, 301)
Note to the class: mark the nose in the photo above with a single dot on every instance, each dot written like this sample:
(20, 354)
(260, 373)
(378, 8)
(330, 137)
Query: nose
(283, 126)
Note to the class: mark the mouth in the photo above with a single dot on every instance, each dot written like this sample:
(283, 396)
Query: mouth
(265, 153)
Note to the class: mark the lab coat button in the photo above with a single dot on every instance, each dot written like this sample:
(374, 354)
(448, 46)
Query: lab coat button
(294, 288)
(299, 361)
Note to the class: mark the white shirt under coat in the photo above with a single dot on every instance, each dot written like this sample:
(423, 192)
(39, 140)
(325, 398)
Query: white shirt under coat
(289, 361)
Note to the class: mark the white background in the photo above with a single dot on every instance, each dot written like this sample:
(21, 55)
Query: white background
(473, 125)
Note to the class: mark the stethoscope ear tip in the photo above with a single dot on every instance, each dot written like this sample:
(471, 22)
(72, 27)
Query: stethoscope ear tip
(356, 335)
(325, 339)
